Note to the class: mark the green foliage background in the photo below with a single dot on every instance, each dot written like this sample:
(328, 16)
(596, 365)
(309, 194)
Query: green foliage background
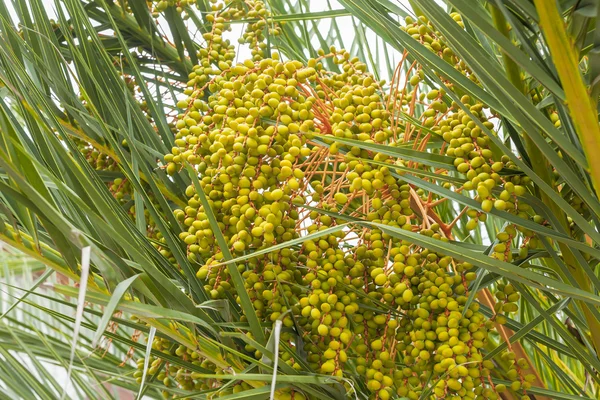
(61, 86)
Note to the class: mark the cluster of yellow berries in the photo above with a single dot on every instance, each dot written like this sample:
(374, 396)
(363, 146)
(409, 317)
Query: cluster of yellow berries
(264, 143)
(285, 149)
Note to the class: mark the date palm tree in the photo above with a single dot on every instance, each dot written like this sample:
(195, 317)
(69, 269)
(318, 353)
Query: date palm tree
(248, 199)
